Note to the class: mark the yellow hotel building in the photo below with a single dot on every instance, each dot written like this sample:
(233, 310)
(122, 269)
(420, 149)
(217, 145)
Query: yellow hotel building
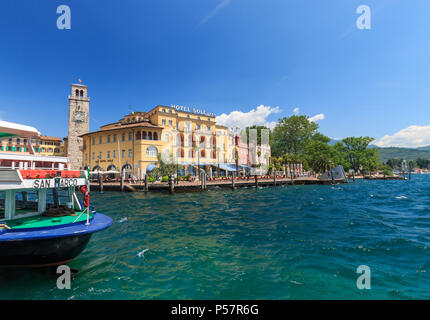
(191, 138)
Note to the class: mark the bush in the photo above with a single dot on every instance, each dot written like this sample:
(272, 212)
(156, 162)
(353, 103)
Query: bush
(388, 172)
(151, 179)
(165, 179)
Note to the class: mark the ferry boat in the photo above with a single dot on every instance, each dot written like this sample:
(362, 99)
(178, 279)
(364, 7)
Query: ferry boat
(42, 220)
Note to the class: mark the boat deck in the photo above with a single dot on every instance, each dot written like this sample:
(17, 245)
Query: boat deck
(43, 222)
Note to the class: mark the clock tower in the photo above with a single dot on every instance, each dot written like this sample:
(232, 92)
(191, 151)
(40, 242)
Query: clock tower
(79, 123)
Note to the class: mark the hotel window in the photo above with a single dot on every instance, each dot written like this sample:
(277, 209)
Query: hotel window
(86, 157)
(94, 155)
(151, 151)
(197, 127)
(94, 140)
(130, 136)
(25, 141)
(123, 137)
(2, 203)
(208, 128)
(130, 153)
(100, 140)
(209, 119)
(114, 138)
(170, 123)
(166, 137)
(163, 122)
(108, 139)
(114, 154)
(198, 117)
(108, 154)
(100, 155)
(170, 111)
(26, 202)
(164, 110)
(123, 154)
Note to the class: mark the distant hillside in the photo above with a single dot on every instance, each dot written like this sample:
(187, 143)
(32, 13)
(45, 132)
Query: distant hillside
(402, 153)
(398, 153)
(426, 148)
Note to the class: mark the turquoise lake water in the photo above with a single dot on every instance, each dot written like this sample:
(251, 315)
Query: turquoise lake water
(291, 242)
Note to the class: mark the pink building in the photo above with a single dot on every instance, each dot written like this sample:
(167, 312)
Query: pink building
(242, 150)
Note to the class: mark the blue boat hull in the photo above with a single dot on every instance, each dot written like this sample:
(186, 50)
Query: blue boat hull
(48, 246)
(42, 253)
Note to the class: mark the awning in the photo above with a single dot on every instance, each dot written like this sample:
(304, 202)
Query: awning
(150, 167)
(227, 167)
(244, 166)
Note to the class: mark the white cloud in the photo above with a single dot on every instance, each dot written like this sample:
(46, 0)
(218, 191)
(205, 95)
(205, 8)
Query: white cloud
(296, 110)
(410, 137)
(317, 117)
(215, 11)
(257, 116)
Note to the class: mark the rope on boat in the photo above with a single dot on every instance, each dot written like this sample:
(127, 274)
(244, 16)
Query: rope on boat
(4, 225)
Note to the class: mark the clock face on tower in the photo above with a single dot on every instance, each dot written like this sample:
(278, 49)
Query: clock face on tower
(78, 116)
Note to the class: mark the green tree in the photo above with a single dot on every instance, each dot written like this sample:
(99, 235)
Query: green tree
(357, 154)
(166, 167)
(319, 154)
(291, 134)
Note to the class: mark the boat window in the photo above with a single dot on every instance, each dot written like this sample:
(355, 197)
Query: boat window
(2, 203)
(26, 202)
(62, 198)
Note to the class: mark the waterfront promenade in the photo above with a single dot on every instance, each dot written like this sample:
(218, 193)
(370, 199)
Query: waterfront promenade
(186, 186)
(190, 186)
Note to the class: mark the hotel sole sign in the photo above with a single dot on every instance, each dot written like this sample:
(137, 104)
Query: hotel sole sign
(193, 110)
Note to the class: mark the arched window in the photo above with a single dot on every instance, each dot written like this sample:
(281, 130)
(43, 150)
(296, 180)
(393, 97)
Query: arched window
(82, 93)
(155, 136)
(144, 136)
(127, 166)
(111, 167)
(149, 135)
(138, 137)
(97, 168)
(151, 151)
(77, 93)
(203, 154)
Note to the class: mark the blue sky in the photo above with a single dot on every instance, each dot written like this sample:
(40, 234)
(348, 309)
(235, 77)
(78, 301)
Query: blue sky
(223, 56)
